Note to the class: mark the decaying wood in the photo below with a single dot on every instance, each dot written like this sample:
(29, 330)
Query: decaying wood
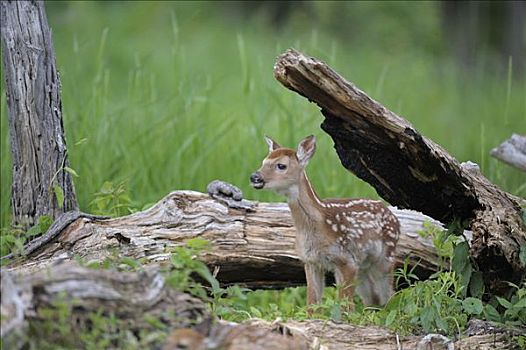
(339, 336)
(252, 334)
(38, 146)
(512, 151)
(252, 248)
(409, 170)
(58, 225)
(134, 297)
(328, 335)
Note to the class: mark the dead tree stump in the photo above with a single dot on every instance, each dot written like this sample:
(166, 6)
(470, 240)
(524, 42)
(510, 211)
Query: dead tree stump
(41, 185)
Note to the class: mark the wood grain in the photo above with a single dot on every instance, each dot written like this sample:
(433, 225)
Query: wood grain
(251, 248)
(38, 145)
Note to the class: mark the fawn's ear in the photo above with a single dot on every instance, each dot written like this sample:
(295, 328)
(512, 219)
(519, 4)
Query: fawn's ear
(306, 149)
(272, 145)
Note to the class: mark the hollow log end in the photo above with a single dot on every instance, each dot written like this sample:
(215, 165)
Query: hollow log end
(498, 235)
(288, 58)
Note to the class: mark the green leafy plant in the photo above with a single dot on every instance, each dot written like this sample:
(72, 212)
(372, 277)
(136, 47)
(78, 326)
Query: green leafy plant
(184, 268)
(521, 342)
(514, 308)
(522, 255)
(43, 224)
(112, 199)
(113, 261)
(12, 241)
(433, 305)
(13, 238)
(57, 327)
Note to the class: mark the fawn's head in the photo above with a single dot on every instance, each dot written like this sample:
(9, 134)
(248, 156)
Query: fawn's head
(282, 168)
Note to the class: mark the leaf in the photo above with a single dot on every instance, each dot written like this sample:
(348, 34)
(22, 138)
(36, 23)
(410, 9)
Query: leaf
(198, 244)
(71, 171)
(520, 304)
(427, 316)
(522, 251)
(19, 244)
(204, 272)
(336, 312)
(255, 312)
(465, 276)
(476, 285)
(460, 257)
(390, 318)
(491, 314)
(504, 302)
(461, 264)
(441, 324)
(130, 262)
(511, 314)
(472, 306)
(44, 222)
(34, 231)
(107, 187)
(59, 195)
(411, 308)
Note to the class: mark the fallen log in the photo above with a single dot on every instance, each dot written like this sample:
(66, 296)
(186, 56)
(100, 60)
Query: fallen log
(329, 335)
(252, 248)
(409, 170)
(134, 299)
(341, 336)
(512, 151)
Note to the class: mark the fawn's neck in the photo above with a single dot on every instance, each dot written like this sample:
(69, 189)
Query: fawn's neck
(303, 202)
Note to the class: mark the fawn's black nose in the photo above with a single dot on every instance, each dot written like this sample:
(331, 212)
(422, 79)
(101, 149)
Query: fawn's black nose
(257, 180)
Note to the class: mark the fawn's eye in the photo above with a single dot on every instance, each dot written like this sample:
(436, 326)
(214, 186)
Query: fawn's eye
(281, 166)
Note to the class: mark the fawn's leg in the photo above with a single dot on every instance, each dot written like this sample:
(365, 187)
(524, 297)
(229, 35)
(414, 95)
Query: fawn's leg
(345, 275)
(315, 284)
(376, 282)
(384, 284)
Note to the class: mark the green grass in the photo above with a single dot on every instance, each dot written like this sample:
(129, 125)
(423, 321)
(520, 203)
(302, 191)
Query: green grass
(171, 95)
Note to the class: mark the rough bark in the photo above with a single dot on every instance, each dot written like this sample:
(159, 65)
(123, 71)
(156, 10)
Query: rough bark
(135, 297)
(253, 248)
(38, 146)
(409, 170)
(512, 151)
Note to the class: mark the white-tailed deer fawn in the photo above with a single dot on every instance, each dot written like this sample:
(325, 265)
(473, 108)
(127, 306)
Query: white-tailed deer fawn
(355, 238)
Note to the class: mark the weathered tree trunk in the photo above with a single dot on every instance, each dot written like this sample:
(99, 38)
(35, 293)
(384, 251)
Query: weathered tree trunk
(409, 170)
(134, 298)
(38, 145)
(252, 248)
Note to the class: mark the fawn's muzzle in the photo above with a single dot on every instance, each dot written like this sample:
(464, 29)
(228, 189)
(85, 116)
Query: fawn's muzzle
(257, 180)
